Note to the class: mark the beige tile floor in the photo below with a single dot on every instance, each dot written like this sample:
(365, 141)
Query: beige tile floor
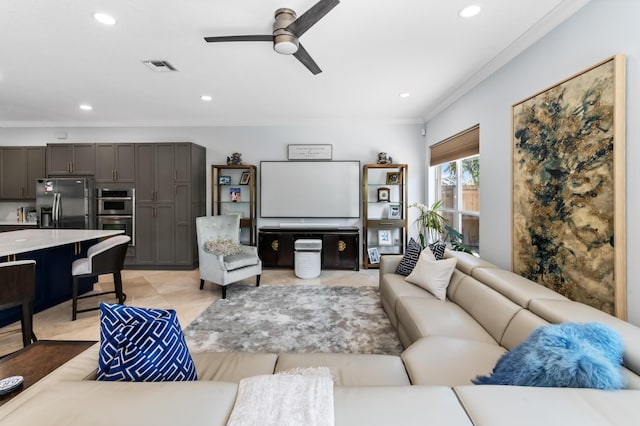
(179, 290)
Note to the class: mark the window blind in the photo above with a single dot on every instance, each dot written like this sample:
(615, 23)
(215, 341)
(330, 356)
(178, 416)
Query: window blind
(461, 145)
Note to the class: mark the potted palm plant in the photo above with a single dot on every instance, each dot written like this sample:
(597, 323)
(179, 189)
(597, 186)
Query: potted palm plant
(433, 228)
(430, 223)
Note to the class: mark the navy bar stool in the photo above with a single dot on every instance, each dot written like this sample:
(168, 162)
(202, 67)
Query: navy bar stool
(105, 257)
(17, 289)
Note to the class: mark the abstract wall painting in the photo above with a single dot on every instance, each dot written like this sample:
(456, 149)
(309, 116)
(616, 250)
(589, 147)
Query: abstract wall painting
(569, 187)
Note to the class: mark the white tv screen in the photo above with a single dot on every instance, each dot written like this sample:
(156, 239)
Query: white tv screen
(318, 189)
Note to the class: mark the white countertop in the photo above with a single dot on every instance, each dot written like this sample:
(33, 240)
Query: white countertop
(26, 240)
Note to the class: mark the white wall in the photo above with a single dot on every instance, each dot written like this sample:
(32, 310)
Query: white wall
(361, 142)
(599, 30)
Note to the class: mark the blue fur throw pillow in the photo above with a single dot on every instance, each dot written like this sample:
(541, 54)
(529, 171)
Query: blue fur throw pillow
(567, 355)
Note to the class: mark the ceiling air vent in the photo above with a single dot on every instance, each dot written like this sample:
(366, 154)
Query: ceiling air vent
(159, 65)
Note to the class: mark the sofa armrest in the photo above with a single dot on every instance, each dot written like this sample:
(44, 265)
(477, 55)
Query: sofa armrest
(389, 263)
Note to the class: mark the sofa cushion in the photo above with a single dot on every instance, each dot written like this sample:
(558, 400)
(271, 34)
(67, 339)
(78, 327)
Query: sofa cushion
(516, 287)
(433, 275)
(419, 317)
(393, 286)
(391, 405)
(409, 259)
(233, 366)
(468, 262)
(145, 345)
(350, 369)
(563, 355)
(489, 308)
(94, 403)
(520, 327)
(447, 361)
(528, 406)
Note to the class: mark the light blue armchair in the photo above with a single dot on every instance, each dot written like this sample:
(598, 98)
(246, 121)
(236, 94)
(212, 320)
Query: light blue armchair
(223, 260)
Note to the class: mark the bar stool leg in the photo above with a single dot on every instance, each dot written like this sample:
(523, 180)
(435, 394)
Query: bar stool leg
(25, 323)
(74, 310)
(117, 281)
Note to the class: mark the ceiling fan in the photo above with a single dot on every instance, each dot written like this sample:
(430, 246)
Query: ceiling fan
(287, 29)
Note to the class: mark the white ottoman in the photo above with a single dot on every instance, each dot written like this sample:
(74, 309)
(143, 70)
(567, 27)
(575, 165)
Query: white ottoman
(307, 258)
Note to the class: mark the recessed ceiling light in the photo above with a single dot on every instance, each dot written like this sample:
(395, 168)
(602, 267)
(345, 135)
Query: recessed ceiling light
(469, 11)
(103, 18)
(206, 98)
(405, 95)
(86, 107)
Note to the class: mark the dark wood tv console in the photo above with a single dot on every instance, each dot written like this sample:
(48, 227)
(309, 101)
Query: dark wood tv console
(340, 246)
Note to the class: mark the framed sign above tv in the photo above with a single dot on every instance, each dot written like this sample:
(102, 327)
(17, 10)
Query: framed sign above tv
(309, 152)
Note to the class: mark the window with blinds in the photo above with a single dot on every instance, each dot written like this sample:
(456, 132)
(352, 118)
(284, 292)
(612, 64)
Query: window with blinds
(462, 145)
(455, 163)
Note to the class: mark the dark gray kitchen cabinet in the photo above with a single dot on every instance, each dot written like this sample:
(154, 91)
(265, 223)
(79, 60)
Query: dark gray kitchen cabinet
(154, 235)
(115, 162)
(183, 225)
(155, 173)
(170, 194)
(76, 159)
(19, 168)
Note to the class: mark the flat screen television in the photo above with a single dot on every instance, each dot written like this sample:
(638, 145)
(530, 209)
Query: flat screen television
(310, 189)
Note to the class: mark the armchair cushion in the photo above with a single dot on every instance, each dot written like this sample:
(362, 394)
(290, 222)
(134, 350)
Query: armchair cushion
(241, 260)
(224, 247)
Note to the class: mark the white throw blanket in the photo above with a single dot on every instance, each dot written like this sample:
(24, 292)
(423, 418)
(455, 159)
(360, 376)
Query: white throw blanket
(297, 397)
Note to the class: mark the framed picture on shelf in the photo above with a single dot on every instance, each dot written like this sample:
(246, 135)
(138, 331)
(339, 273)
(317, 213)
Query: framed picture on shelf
(245, 178)
(383, 194)
(234, 194)
(394, 178)
(374, 255)
(224, 180)
(394, 211)
(384, 237)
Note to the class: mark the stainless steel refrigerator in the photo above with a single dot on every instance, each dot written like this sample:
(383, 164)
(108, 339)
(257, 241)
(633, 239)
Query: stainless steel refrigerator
(66, 203)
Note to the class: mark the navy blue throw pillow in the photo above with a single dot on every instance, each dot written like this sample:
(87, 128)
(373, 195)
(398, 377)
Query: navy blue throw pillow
(142, 345)
(410, 258)
(438, 250)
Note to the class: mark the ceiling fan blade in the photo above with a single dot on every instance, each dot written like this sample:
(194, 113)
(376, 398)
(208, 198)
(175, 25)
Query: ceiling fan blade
(303, 56)
(311, 16)
(268, 37)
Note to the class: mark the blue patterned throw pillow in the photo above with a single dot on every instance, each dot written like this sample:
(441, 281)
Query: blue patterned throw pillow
(142, 345)
(410, 258)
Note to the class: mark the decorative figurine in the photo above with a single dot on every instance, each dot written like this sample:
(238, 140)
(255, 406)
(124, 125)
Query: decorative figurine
(234, 159)
(383, 159)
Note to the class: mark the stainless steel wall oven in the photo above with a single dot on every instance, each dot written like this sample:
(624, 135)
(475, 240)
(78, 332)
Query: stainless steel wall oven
(116, 211)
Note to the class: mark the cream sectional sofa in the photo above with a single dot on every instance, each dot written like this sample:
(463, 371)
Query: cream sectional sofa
(487, 312)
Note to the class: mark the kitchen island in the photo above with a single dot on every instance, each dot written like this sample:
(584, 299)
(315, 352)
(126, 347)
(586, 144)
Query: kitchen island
(54, 250)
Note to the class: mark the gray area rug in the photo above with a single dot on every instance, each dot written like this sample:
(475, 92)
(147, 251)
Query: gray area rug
(295, 319)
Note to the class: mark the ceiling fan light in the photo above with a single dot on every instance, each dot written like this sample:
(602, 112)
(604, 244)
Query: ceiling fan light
(104, 18)
(285, 47)
(469, 11)
(285, 44)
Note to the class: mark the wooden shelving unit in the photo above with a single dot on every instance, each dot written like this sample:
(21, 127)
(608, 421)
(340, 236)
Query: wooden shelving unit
(385, 207)
(233, 192)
